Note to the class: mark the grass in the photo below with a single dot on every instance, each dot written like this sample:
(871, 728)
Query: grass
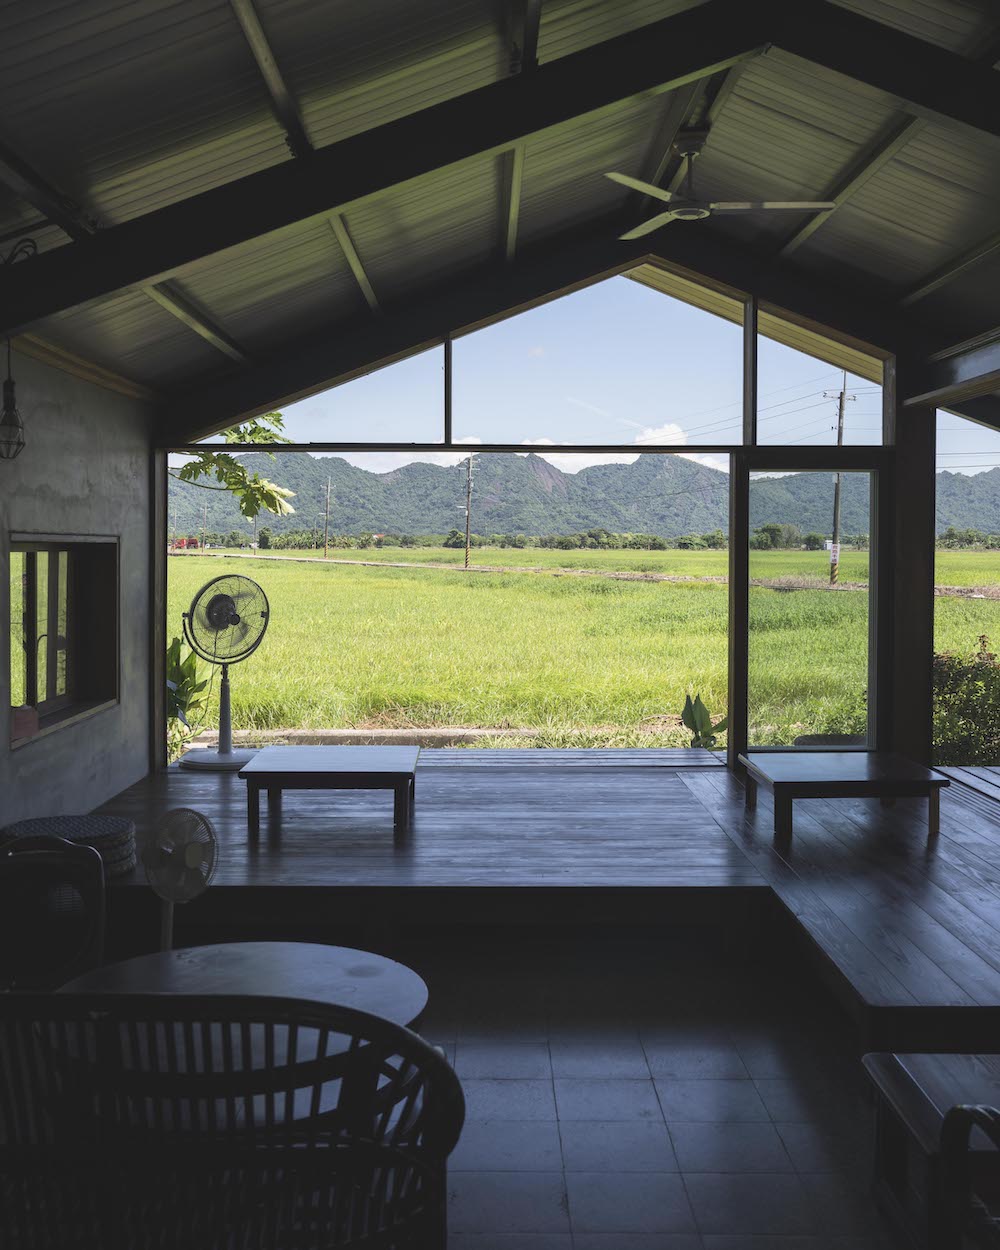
(586, 660)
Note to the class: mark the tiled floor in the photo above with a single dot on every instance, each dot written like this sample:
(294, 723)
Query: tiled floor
(648, 1095)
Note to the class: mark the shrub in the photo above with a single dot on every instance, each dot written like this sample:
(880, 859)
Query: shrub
(967, 707)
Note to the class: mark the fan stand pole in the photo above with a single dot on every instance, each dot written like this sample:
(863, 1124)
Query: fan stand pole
(167, 926)
(225, 715)
(223, 759)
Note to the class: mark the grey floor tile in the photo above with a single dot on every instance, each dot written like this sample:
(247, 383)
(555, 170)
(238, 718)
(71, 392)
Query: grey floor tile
(826, 1147)
(509, 1100)
(764, 1242)
(843, 1202)
(628, 1202)
(509, 1241)
(481, 1059)
(507, 1202)
(612, 1058)
(507, 1146)
(726, 1101)
(741, 1147)
(692, 1057)
(743, 1203)
(637, 1241)
(810, 1101)
(616, 1146)
(595, 1099)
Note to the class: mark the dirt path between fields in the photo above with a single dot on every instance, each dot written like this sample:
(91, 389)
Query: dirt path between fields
(788, 582)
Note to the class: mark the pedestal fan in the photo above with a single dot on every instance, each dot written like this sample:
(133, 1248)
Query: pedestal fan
(180, 861)
(225, 624)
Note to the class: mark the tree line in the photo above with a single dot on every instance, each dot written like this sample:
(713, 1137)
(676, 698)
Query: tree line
(774, 536)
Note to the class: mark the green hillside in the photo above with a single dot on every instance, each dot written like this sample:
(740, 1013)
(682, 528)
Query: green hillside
(665, 495)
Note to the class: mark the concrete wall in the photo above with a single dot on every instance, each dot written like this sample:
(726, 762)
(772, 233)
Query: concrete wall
(84, 470)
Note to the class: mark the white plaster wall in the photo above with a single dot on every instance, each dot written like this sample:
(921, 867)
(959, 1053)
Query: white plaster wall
(84, 470)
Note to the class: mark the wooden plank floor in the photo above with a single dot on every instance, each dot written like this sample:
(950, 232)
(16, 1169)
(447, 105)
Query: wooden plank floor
(482, 818)
(908, 933)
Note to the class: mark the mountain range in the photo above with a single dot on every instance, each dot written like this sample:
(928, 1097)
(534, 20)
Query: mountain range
(525, 494)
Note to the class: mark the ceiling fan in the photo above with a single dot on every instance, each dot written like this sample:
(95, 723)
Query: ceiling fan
(685, 205)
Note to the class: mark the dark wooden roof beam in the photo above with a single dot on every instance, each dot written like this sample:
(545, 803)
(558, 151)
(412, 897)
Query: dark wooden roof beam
(283, 103)
(967, 371)
(543, 271)
(930, 80)
(693, 44)
(525, 21)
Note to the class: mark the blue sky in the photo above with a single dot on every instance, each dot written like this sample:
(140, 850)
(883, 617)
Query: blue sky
(614, 363)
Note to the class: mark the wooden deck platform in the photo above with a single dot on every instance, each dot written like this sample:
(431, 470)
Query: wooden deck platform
(907, 933)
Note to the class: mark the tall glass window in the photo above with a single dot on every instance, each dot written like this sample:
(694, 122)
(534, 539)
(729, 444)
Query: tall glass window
(809, 609)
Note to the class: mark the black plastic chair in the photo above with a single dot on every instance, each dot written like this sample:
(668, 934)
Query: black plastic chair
(219, 1123)
(51, 912)
(970, 1221)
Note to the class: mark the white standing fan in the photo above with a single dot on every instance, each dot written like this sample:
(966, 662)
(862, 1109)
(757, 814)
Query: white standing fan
(226, 622)
(180, 861)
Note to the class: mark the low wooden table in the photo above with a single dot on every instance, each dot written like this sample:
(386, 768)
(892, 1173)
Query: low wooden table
(331, 768)
(913, 1093)
(837, 775)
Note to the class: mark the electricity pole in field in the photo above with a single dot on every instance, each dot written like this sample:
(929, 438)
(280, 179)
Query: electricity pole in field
(326, 522)
(204, 527)
(468, 508)
(842, 398)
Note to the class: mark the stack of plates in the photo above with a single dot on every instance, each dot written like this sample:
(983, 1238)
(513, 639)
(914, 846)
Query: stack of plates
(113, 837)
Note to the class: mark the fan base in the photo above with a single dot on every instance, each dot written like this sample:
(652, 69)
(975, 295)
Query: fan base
(206, 760)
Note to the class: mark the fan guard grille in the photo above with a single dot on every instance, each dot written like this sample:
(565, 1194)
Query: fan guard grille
(181, 858)
(227, 619)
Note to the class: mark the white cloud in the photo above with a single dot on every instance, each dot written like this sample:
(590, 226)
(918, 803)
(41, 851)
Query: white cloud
(573, 462)
(536, 351)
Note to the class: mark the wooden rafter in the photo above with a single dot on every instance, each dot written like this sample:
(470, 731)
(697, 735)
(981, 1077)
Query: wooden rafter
(525, 23)
(657, 58)
(283, 102)
(952, 269)
(354, 260)
(59, 209)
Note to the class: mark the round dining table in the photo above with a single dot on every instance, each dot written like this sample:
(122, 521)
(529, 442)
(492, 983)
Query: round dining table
(333, 975)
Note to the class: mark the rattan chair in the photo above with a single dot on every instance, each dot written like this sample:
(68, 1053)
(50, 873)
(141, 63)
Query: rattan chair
(51, 912)
(219, 1124)
(969, 1221)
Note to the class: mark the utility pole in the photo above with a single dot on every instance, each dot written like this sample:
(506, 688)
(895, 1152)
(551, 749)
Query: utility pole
(204, 527)
(468, 508)
(835, 546)
(326, 522)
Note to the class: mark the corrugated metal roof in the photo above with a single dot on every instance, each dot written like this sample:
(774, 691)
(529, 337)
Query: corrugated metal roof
(274, 287)
(128, 105)
(564, 181)
(570, 25)
(134, 336)
(131, 104)
(355, 65)
(952, 24)
(431, 228)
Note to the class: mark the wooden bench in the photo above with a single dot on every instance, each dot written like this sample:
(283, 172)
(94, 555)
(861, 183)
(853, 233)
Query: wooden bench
(794, 775)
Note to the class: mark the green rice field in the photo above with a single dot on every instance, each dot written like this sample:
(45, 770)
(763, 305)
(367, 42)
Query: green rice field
(585, 659)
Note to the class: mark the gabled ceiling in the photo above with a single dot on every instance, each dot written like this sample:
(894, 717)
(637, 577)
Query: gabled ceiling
(218, 187)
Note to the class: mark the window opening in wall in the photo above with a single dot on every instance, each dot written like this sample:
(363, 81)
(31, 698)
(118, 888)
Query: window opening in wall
(63, 631)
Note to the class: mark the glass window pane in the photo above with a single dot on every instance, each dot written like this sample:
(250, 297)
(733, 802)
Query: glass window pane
(808, 646)
(398, 403)
(62, 622)
(617, 362)
(42, 621)
(800, 379)
(967, 599)
(18, 673)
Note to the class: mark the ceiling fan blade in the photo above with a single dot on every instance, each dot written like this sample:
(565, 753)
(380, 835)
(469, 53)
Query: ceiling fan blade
(792, 206)
(647, 227)
(646, 188)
